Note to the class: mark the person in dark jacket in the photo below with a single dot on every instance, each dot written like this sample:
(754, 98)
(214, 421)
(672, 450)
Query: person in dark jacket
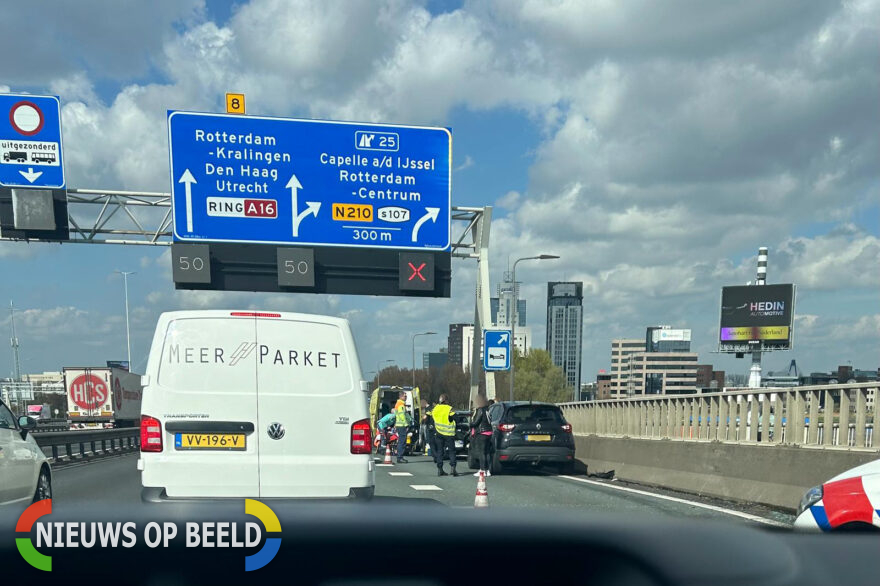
(482, 434)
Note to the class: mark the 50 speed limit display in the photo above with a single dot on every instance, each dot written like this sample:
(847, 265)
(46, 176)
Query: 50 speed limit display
(191, 263)
(296, 267)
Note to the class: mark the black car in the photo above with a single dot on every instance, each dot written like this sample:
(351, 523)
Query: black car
(462, 432)
(529, 433)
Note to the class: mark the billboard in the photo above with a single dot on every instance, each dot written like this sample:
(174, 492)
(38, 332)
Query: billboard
(757, 313)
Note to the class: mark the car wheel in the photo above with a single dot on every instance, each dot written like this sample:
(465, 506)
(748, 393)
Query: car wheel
(44, 486)
(566, 468)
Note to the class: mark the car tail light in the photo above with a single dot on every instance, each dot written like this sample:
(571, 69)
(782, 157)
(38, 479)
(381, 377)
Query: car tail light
(566, 427)
(361, 438)
(253, 314)
(506, 427)
(151, 434)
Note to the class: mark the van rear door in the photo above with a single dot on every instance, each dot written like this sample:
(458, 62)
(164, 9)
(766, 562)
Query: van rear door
(207, 402)
(307, 400)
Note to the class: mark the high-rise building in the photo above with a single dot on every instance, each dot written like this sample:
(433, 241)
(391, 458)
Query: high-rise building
(565, 328)
(502, 305)
(454, 344)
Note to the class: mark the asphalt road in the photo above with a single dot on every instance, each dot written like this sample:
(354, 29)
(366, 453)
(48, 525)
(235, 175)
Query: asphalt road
(115, 482)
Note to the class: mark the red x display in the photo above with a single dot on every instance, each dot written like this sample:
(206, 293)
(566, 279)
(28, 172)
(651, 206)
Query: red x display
(416, 271)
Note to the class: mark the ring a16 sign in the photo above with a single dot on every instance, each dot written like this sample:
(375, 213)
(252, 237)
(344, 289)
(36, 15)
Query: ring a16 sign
(757, 313)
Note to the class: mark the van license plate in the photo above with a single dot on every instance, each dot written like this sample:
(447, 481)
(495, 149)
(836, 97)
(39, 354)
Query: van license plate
(537, 438)
(209, 441)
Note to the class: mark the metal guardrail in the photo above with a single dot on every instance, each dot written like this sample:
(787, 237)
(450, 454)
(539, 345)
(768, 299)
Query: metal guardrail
(791, 416)
(44, 425)
(85, 444)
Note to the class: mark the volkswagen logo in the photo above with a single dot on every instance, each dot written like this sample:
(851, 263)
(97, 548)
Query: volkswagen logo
(538, 427)
(275, 431)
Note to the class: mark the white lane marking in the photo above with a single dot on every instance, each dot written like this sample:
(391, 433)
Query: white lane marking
(384, 464)
(682, 501)
(424, 487)
(400, 474)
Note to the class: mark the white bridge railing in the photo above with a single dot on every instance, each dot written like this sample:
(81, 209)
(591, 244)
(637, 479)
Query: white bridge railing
(806, 416)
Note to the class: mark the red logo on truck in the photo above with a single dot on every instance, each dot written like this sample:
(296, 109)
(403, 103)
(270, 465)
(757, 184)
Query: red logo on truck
(117, 394)
(88, 391)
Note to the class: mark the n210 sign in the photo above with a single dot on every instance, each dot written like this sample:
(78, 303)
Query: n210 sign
(309, 182)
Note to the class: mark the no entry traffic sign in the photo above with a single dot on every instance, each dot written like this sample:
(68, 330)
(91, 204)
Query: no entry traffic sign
(30, 141)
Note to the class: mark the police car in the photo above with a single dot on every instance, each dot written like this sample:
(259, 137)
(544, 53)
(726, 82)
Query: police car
(849, 501)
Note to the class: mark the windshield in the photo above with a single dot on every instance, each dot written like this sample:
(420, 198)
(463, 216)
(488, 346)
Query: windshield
(617, 257)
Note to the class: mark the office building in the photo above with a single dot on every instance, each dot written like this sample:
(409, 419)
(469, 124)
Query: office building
(454, 343)
(435, 359)
(565, 314)
(501, 306)
(661, 364)
(621, 350)
(709, 379)
(603, 385)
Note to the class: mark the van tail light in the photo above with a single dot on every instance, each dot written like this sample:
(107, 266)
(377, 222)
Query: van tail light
(361, 437)
(566, 427)
(151, 434)
(253, 314)
(506, 427)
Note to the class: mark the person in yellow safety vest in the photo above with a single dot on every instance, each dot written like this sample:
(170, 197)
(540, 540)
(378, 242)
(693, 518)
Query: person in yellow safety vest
(444, 428)
(402, 421)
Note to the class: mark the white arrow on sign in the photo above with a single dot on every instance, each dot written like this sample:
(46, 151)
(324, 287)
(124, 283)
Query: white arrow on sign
(431, 215)
(502, 339)
(187, 179)
(31, 175)
(312, 207)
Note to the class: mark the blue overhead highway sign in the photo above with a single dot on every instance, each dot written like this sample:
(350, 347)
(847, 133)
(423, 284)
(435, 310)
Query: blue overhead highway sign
(496, 349)
(310, 182)
(30, 141)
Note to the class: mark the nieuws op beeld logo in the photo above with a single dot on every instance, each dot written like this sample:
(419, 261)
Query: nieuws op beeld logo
(93, 534)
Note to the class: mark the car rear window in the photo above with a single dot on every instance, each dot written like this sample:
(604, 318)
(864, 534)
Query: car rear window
(534, 414)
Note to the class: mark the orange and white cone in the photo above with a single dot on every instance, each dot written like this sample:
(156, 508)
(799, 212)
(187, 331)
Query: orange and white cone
(482, 498)
(387, 454)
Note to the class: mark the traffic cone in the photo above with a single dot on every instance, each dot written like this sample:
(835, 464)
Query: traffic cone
(387, 454)
(482, 498)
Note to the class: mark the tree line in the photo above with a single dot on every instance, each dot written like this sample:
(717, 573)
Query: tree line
(537, 379)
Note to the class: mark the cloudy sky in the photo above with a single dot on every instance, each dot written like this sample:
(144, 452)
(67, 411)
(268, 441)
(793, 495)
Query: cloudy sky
(652, 145)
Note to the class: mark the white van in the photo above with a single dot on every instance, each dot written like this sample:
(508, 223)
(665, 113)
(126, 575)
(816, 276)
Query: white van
(254, 404)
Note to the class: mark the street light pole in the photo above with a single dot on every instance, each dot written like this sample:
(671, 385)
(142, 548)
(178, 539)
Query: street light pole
(125, 275)
(414, 354)
(379, 371)
(515, 313)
